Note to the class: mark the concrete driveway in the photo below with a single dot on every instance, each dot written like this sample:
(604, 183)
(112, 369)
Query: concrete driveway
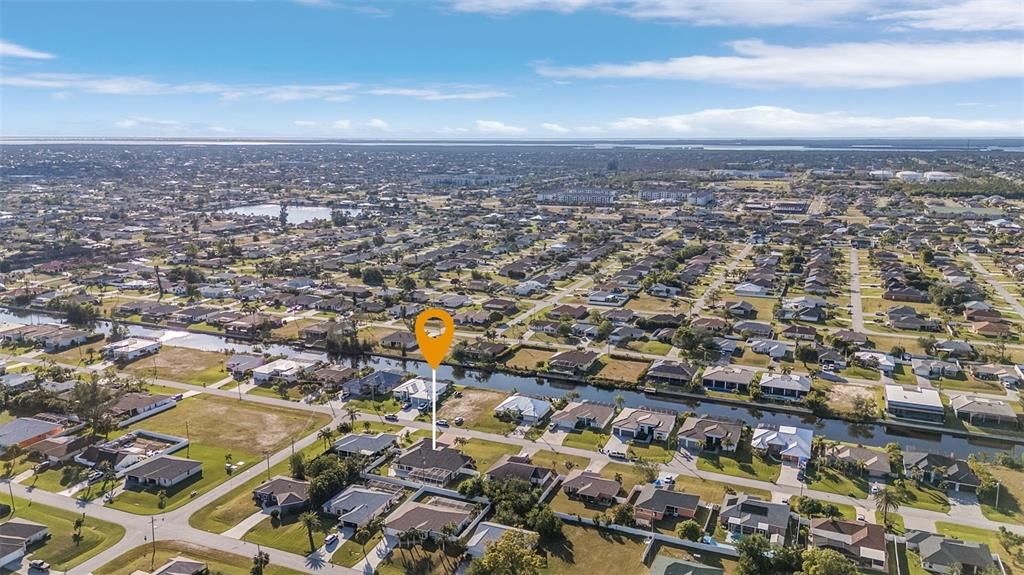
(787, 476)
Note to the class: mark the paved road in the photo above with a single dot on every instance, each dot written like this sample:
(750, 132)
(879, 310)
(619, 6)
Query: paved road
(856, 307)
(1000, 289)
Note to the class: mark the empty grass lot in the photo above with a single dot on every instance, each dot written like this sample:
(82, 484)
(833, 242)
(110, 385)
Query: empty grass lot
(61, 550)
(218, 427)
(621, 369)
(141, 558)
(476, 407)
(529, 358)
(181, 364)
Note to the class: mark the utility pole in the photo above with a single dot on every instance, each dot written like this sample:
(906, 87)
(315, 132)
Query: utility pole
(188, 439)
(267, 453)
(152, 528)
(10, 489)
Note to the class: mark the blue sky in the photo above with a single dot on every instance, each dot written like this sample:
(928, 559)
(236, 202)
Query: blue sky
(512, 68)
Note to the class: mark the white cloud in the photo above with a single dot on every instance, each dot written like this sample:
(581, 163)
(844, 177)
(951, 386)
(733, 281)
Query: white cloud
(306, 123)
(377, 124)
(12, 50)
(147, 122)
(557, 128)
(496, 127)
(139, 86)
(437, 95)
(704, 12)
(772, 121)
(851, 65)
(342, 124)
(962, 16)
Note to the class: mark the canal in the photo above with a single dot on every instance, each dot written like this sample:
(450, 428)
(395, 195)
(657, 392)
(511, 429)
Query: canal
(875, 435)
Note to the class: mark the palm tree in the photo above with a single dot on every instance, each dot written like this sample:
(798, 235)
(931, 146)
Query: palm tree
(887, 500)
(326, 435)
(352, 414)
(311, 521)
(362, 536)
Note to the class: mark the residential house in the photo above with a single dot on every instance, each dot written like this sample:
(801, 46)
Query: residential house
(643, 425)
(940, 554)
(914, 403)
(728, 378)
(357, 506)
(487, 533)
(423, 464)
(529, 410)
(654, 504)
(419, 392)
(743, 514)
(861, 542)
(520, 468)
(572, 362)
(284, 494)
(365, 445)
(709, 434)
(785, 386)
(671, 372)
(939, 469)
(591, 487)
(788, 443)
(162, 471)
(583, 415)
(984, 411)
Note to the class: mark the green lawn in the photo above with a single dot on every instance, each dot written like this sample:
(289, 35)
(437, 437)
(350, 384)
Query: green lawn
(895, 519)
(351, 552)
(586, 439)
(655, 452)
(978, 535)
(57, 480)
(384, 404)
(231, 508)
(486, 453)
(833, 481)
(1011, 494)
(846, 511)
(588, 551)
(557, 461)
(147, 501)
(141, 559)
(652, 347)
(714, 491)
(926, 497)
(861, 373)
(740, 464)
(630, 476)
(288, 533)
(61, 550)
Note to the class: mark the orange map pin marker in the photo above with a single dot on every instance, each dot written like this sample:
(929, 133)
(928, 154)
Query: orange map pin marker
(434, 348)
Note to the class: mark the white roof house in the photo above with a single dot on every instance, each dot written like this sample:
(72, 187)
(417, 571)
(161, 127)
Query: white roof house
(885, 362)
(286, 369)
(529, 408)
(914, 403)
(788, 442)
(418, 391)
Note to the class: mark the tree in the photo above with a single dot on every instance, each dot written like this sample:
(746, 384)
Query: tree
(512, 554)
(311, 522)
(887, 500)
(91, 402)
(362, 536)
(690, 529)
(604, 329)
(373, 276)
(646, 469)
(259, 563)
(297, 466)
(755, 556)
(326, 435)
(817, 561)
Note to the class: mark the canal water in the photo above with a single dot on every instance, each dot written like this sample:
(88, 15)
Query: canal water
(865, 434)
(296, 214)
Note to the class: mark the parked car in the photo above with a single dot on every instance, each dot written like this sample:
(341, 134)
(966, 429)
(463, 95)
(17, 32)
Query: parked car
(442, 423)
(391, 417)
(39, 565)
(459, 421)
(330, 539)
